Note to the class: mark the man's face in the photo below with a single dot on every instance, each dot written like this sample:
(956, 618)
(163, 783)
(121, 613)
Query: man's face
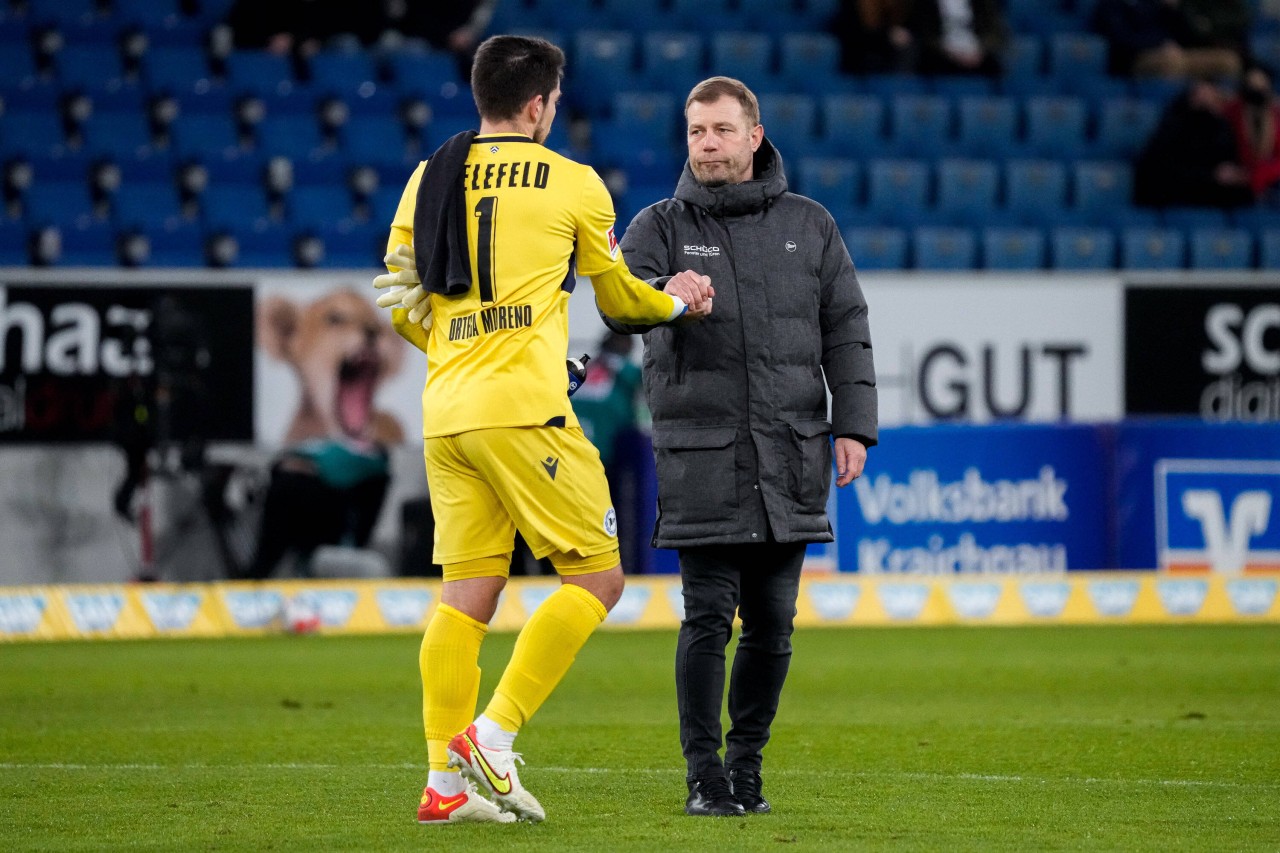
(721, 144)
(543, 127)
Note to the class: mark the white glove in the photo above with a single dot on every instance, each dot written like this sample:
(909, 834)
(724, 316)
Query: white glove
(406, 288)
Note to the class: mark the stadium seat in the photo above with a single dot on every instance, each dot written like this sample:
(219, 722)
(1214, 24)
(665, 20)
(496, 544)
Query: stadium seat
(695, 15)
(142, 205)
(743, 55)
(1035, 190)
(1269, 249)
(830, 181)
(1055, 126)
(1191, 218)
(1074, 55)
(316, 206)
(808, 61)
(13, 243)
(19, 67)
(1124, 126)
(790, 122)
(1013, 248)
(259, 244)
(602, 63)
(424, 72)
(63, 13)
(1152, 248)
(890, 86)
(33, 134)
(853, 124)
(294, 136)
(1221, 249)
(174, 244)
(1023, 57)
(967, 190)
(150, 15)
(256, 72)
(201, 135)
(898, 191)
(89, 66)
(231, 206)
(381, 141)
(87, 243)
(117, 135)
(352, 245)
(1083, 249)
(954, 87)
(1100, 187)
(653, 117)
(58, 202)
(672, 61)
(945, 248)
(341, 71)
(920, 125)
(877, 248)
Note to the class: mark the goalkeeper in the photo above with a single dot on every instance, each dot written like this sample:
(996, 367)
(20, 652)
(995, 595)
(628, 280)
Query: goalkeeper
(481, 259)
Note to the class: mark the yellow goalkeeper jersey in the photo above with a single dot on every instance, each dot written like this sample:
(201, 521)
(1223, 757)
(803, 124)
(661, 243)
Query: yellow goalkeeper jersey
(496, 354)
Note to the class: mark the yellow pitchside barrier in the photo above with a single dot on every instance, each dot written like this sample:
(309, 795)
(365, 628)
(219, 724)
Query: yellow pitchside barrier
(139, 611)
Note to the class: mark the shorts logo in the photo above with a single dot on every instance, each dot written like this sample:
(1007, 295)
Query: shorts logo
(613, 244)
(611, 522)
(551, 463)
(791, 246)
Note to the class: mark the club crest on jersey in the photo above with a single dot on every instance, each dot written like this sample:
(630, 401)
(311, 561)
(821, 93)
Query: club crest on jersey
(493, 149)
(613, 243)
(611, 522)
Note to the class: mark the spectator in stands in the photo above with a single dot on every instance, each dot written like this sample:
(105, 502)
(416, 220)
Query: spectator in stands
(1191, 158)
(297, 28)
(958, 36)
(1255, 118)
(456, 27)
(1153, 38)
(874, 38)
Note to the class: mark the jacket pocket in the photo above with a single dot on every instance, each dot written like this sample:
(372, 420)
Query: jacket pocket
(697, 474)
(811, 464)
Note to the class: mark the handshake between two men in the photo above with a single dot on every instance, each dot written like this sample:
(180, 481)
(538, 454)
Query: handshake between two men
(695, 290)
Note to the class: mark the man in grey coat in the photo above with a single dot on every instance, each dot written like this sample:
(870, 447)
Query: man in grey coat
(740, 422)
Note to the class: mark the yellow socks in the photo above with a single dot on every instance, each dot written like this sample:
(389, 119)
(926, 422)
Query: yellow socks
(545, 649)
(450, 678)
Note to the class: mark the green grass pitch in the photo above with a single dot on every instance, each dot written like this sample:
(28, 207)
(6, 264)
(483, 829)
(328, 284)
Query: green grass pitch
(1060, 738)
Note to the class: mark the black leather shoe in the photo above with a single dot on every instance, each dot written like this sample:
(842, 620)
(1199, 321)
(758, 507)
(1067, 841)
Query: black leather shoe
(712, 798)
(745, 785)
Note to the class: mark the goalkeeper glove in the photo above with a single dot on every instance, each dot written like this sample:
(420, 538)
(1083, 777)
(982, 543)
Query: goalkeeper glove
(406, 288)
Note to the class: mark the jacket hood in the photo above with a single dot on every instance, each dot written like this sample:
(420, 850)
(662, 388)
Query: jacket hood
(738, 199)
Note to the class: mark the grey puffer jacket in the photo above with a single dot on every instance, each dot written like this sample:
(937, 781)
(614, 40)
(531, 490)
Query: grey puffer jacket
(740, 428)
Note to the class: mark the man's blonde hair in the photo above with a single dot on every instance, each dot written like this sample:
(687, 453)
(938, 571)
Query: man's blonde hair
(714, 88)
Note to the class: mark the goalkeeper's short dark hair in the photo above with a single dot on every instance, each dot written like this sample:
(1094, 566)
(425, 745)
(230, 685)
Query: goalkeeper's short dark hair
(509, 70)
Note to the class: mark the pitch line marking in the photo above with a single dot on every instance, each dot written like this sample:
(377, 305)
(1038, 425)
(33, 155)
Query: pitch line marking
(653, 771)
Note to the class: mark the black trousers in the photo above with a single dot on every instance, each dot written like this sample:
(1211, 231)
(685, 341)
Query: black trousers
(760, 582)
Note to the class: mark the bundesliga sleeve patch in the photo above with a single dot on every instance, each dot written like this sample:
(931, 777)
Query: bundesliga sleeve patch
(613, 243)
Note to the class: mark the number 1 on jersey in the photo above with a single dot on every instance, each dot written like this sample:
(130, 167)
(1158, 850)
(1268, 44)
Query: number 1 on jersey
(486, 209)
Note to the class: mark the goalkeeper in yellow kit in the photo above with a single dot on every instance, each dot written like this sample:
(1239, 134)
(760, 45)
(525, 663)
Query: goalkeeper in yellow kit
(481, 258)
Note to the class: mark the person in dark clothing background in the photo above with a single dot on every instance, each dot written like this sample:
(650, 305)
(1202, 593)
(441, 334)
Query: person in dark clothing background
(741, 435)
(1191, 159)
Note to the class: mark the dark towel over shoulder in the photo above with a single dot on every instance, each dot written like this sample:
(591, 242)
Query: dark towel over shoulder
(440, 220)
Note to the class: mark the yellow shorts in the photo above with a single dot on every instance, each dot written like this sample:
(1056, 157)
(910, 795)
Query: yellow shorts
(546, 481)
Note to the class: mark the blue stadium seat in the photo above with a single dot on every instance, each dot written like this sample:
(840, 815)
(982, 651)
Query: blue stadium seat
(343, 72)
(1023, 57)
(443, 127)
(672, 61)
(58, 202)
(19, 67)
(425, 73)
(1152, 248)
(920, 125)
(143, 205)
(257, 72)
(566, 15)
(316, 206)
(68, 167)
(1221, 249)
(898, 191)
(954, 87)
(34, 134)
(641, 16)
(830, 181)
(201, 135)
(790, 122)
(817, 15)
(117, 135)
(1269, 249)
(853, 124)
(63, 13)
(1191, 218)
(1035, 190)
(232, 206)
(743, 55)
(177, 243)
(987, 126)
(877, 248)
(1083, 249)
(967, 190)
(88, 67)
(890, 86)
(13, 243)
(1013, 248)
(260, 244)
(380, 141)
(808, 61)
(602, 63)
(294, 136)
(87, 243)
(1124, 126)
(945, 248)
(1100, 187)
(383, 203)
(695, 15)
(653, 117)
(151, 15)
(352, 245)
(1076, 54)
(1055, 126)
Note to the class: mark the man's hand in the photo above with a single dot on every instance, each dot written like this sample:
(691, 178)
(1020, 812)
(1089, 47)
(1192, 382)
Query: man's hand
(694, 290)
(406, 288)
(851, 455)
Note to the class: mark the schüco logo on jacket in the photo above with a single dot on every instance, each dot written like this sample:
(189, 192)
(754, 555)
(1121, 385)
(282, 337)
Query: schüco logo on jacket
(703, 251)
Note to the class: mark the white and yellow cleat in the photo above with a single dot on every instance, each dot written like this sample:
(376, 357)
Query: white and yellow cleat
(495, 771)
(467, 807)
